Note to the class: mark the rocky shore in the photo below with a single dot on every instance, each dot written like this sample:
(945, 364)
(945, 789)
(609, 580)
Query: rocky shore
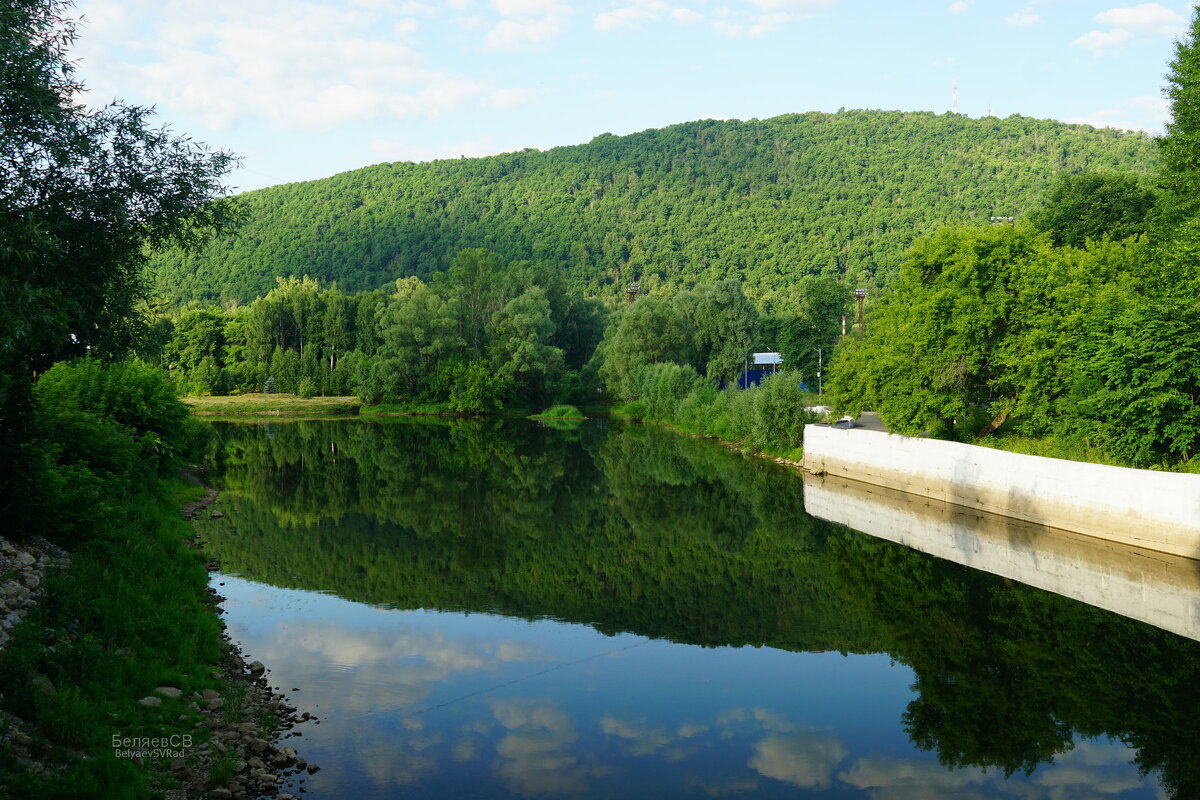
(258, 764)
(23, 570)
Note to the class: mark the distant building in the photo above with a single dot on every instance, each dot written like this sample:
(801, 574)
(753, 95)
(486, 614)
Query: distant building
(758, 366)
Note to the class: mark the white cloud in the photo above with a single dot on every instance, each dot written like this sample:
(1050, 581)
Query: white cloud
(643, 739)
(806, 760)
(527, 8)
(1023, 18)
(534, 758)
(794, 6)
(1099, 41)
(959, 6)
(635, 13)
(771, 16)
(1149, 18)
(631, 15)
(296, 65)
(1148, 113)
(527, 23)
(508, 98)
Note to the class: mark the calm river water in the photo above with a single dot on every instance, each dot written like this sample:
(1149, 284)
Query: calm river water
(492, 609)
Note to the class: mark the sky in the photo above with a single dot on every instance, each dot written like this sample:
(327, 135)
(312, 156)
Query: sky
(304, 89)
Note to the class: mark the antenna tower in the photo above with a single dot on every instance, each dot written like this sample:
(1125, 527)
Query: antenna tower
(954, 95)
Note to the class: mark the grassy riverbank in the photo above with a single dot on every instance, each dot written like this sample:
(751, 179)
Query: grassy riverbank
(118, 683)
(271, 405)
(129, 614)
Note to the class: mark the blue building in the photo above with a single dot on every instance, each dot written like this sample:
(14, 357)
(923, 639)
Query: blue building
(759, 366)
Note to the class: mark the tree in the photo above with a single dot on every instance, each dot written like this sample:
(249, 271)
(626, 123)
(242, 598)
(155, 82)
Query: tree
(1091, 205)
(521, 351)
(929, 360)
(646, 332)
(83, 193)
(1179, 150)
(724, 323)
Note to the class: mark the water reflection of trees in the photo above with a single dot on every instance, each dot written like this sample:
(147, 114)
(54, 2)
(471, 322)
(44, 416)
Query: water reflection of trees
(661, 535)
(653, 533)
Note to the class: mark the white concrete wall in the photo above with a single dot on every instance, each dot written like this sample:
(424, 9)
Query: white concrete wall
(1156, 588)
(1154, 510)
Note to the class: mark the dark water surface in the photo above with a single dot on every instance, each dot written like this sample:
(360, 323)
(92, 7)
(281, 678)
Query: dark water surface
(477, 608)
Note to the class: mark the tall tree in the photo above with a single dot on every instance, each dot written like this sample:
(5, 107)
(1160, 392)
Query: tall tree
(1179, 150)
(83, 193)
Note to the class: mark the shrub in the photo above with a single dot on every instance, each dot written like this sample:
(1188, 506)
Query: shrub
(562, 412)
(477, 389)
(779, 413)
(635, 411)
(306, 388)
(140, 398)
(661, 387)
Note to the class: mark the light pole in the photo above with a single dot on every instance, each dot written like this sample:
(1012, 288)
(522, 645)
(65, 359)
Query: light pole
(820, 369)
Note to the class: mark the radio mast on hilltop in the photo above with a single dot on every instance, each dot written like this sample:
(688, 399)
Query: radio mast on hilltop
(954, 95)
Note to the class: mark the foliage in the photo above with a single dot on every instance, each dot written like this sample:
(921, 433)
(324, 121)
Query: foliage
(1092, 205)
(102, 429)
(1179, 150)
(661, 386)
(762, 201)
(84, 193)
(477, 390)
(645, 332)
(516, 320)
(1075, 333)
(127, 615)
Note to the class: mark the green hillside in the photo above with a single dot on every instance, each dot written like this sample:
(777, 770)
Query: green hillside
(763, 200)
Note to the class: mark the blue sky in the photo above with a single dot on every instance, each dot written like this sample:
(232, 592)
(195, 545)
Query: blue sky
(304, 89)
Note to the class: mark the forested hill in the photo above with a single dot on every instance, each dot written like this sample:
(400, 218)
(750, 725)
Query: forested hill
(764, 200)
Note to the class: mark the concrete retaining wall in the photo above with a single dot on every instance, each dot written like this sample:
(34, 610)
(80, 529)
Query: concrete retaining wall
(1155, 510)
(1156, 588)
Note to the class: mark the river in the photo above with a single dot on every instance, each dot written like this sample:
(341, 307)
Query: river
(497, 608)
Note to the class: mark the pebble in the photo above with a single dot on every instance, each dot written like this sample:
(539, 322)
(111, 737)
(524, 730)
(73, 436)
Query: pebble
(150, 702)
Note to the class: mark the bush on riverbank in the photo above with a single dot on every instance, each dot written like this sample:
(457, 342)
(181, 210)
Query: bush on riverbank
(769, 418)
(560, 412)
(102, 430)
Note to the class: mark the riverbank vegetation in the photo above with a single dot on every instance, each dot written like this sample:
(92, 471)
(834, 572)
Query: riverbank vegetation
(130, 613)
(270, 405)
(488, 336)
(88, 453)
(1078, 326)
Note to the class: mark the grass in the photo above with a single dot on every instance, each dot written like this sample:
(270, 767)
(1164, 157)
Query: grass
(272, 404)
(1070, 450)
(559, 412)
(408, 409)
(1049, 447)
(128, 614)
